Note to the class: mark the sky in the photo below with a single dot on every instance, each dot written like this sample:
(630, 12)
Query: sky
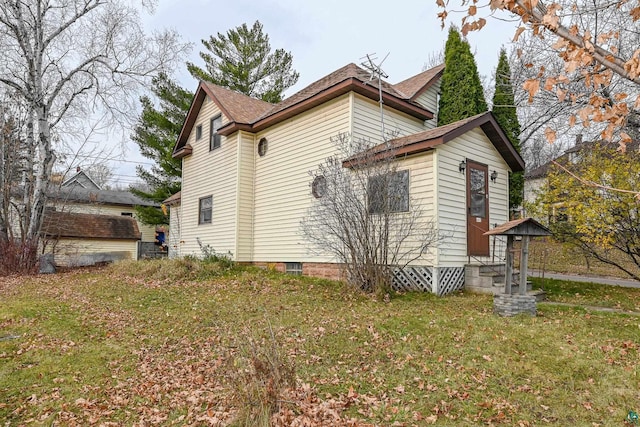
(323, 36)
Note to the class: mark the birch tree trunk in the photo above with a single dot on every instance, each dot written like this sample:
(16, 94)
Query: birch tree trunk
(66, 60)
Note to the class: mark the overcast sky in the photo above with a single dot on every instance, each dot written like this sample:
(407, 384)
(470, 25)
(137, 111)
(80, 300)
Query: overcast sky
(324, 36)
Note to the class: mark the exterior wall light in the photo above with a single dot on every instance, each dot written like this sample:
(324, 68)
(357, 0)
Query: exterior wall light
(462, 166)
(494, 176)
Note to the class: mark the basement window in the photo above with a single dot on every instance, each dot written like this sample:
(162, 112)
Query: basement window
(293, 268)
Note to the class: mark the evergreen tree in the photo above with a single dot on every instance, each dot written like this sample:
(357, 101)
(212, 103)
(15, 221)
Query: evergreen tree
(461, 93)
(156, 133)
(242, 61)
(504, 110)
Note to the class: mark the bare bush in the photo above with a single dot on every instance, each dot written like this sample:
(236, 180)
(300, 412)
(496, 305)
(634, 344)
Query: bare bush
(259, 376)
(364, 215)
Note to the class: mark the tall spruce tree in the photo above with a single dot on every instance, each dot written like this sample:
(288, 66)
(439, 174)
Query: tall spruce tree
(242, 61)
(461, 93)
(156, 133)
(504, 110)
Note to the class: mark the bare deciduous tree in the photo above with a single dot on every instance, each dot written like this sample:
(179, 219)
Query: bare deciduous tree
(596, 43)
(364, 215)
(65, 60)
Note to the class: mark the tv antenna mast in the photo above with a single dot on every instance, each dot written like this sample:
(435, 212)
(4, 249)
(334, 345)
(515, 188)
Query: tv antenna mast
(376, 72)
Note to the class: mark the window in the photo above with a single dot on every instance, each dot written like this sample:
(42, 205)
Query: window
(389, 192)
(126, 214)
(205, 208)
(293, 268)
(214, 137)
(478, 193)
(198, 132)
(262, 147)
(319, 186)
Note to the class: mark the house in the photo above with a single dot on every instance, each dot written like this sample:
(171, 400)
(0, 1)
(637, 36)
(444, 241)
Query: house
(246, 163)
(535, 178)
(80, 179)
(96, 225)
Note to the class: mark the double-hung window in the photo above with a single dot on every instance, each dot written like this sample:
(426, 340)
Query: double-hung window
(205, 209)
(389, 192)
(214, 137)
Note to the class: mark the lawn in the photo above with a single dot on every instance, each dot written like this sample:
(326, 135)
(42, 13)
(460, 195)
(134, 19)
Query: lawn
(550, 255)
(186, 343)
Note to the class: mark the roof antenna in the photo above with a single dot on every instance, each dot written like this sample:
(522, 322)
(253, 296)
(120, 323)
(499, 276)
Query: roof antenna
(376, 73)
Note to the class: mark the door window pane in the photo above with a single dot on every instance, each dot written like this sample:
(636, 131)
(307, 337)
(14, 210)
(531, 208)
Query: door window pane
(478, 180)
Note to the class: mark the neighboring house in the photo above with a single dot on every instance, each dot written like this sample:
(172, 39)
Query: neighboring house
(535, 178)
(75, 201)
(82, 180)
(246, 163)
(80, 239)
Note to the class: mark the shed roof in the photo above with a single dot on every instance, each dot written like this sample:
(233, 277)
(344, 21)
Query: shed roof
(90, 226)
(520, 227)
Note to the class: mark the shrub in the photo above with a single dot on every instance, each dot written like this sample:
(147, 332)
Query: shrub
(259, 376)
(18, 257)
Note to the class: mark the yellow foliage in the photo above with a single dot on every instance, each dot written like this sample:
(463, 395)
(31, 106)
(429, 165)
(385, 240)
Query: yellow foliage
(598, 195)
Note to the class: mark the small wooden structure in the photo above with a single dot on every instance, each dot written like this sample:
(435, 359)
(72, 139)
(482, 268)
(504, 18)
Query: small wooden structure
(527, 228)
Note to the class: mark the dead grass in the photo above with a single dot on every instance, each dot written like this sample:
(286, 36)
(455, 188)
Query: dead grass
(108, 347)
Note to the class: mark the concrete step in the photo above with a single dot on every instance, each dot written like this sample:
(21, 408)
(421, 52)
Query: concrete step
(492, 268)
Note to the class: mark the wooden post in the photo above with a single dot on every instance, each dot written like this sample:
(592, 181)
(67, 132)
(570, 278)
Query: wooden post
(524, 260)
(508, 274)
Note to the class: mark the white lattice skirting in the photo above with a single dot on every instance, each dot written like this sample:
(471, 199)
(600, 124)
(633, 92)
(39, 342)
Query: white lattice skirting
(451, 279)
(414, 278)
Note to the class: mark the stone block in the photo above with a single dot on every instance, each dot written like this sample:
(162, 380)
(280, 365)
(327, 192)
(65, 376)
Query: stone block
(511, 305)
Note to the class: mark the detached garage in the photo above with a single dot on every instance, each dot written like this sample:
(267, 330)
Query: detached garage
(79, 239)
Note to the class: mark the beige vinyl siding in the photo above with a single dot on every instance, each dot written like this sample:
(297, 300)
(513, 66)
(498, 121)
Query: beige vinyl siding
(70, 252)
(532, 188)
(173, 241)
(452, 201)
(282, 190)
(429, 100)
(421, 196)
(366, 120)
(247, 152)
(209, 173)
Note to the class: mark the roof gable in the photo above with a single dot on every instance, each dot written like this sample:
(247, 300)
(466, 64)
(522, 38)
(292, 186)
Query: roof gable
(430, 139)
(237, 107)
(82, 179)
(246, 113)
(415, 86)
